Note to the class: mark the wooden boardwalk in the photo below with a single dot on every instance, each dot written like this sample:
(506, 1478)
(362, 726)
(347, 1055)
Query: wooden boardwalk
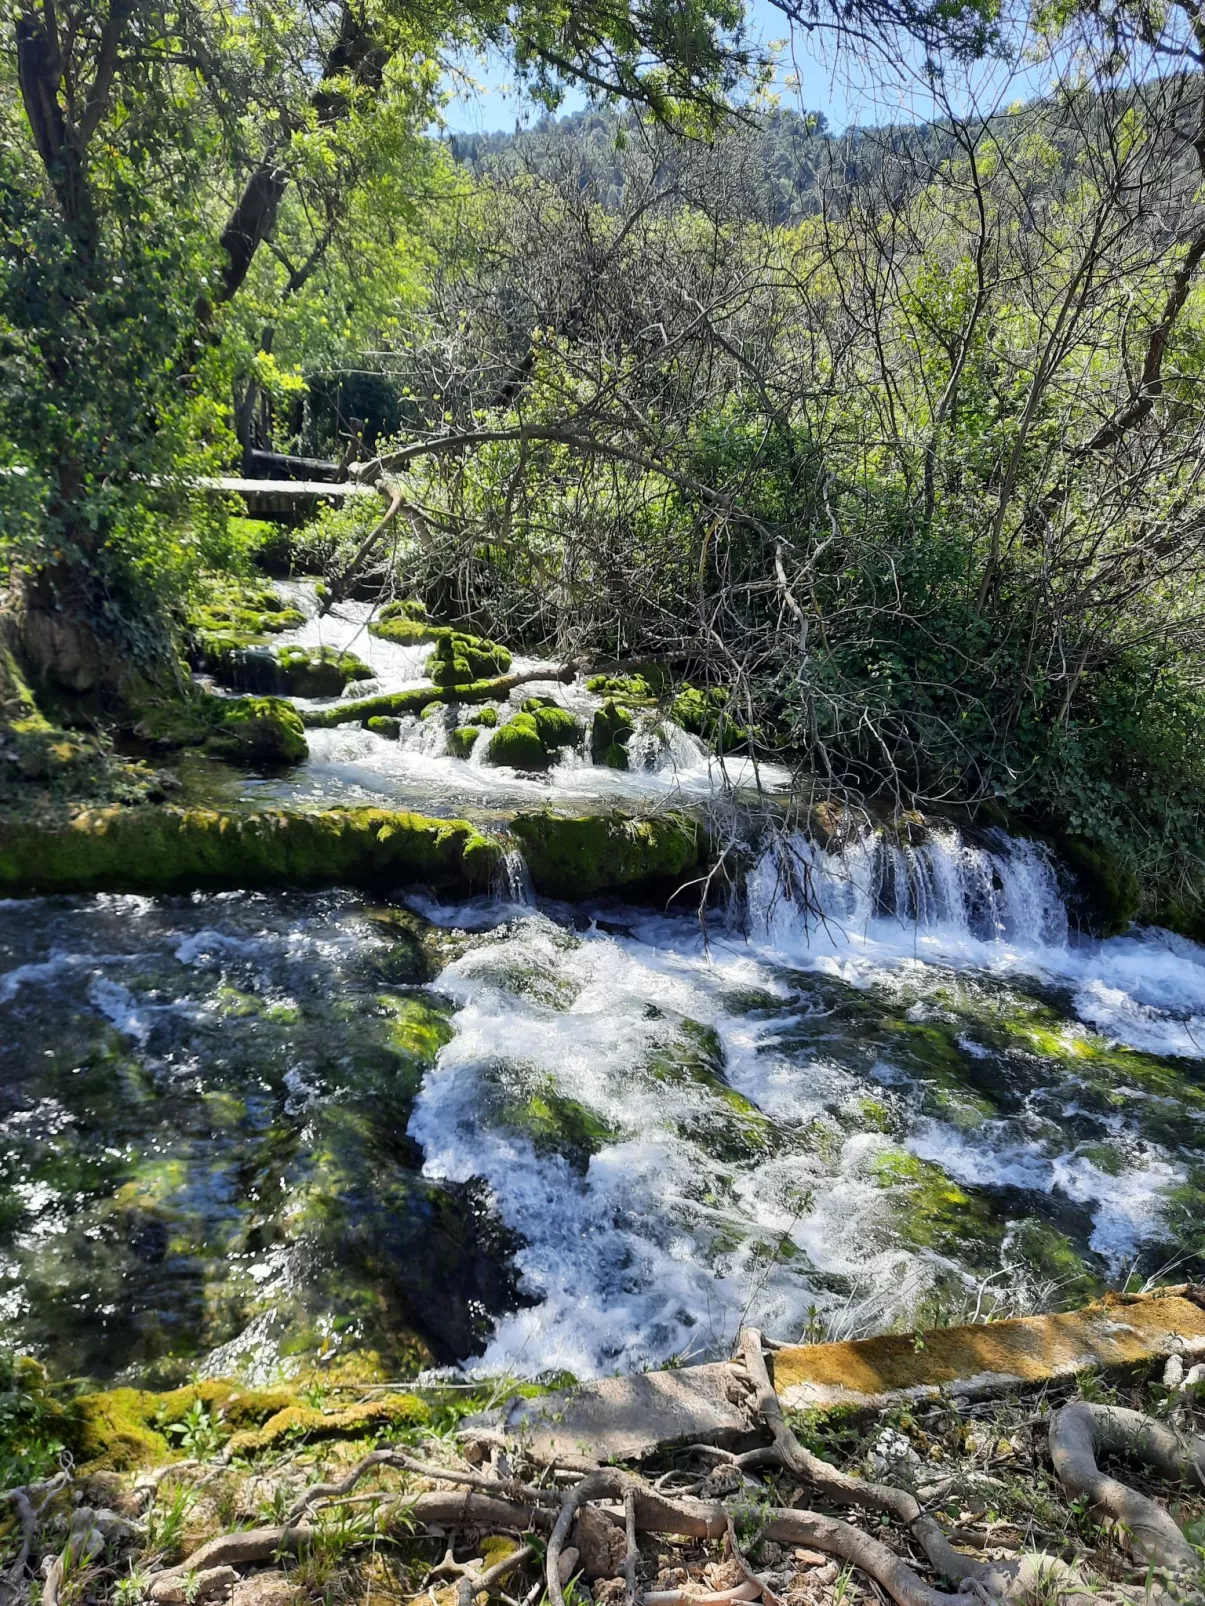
(267, 497)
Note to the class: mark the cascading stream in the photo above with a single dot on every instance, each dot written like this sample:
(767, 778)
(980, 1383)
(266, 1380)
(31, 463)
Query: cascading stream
(882, 1097)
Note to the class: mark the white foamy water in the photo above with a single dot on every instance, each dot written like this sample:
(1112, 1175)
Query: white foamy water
(800, 1178)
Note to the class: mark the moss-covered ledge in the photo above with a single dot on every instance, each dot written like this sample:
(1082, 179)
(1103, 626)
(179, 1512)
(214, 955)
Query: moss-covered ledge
(170, 849)
(413, 701)
(586, 854)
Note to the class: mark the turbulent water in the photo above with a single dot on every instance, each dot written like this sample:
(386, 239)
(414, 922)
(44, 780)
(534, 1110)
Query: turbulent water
(244, 1132)
(237, 1131)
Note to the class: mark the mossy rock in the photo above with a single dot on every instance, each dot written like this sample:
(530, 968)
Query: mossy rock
(610, 734)
(298, 1422)
(404, 631)
(577, 857)
(727, 1125)
(436, 711)
(319, 671)
(518, 744)
(459, 660)
(1108, 894)
(462, 740)
(634, 688)
(532, 705)
(557, 727)
(411, 608)
(164, 849)
(384, 725)
(703, 713)
(259, 730)
(121, 1429)
(487, 718)
(253, 730)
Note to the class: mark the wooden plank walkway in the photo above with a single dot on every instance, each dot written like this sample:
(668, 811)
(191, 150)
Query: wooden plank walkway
(284, 496)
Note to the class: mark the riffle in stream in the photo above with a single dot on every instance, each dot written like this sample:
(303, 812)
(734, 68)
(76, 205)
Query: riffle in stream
(246, 1132)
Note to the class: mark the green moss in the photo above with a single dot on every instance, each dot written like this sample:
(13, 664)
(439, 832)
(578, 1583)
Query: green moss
(408, 632)
(319, 671)
(458, 660)
(124, 1428)
(462, 740)
(635, 688)
(725, 1124)
(418, 1026)
(703, 713)
(938, 1214)
(553, 1123)
(411, 608)
(1109, 892)
(416, 701)
(610, 734)
(487, 718)
(385, 725)
(157, 849)
(557, 727)
(577, 857)
(254, 730)
(259, 730)
(518, 744)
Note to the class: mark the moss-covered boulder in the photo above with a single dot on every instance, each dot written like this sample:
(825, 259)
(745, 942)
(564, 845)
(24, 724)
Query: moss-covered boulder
(458, 660)
(462, 740)
(487, 718)
(610, 734)
(166, 849)
(259, 730)
(125, 1428)
(643, 688)
(226, 606)
(1107, 895)
(704, 713)
(251, 730)
(409, 608)
(319, 671)
(577, 857)
(518, 745)
(384, 725)
(557, 727)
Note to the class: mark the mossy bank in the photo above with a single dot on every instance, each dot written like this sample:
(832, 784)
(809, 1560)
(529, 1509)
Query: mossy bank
(169, 849)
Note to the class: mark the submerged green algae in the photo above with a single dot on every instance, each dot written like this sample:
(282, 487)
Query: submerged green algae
(205, 1162)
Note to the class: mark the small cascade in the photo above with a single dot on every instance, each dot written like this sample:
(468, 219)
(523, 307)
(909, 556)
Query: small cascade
(512, 880)
(999, 889)
(661, 745)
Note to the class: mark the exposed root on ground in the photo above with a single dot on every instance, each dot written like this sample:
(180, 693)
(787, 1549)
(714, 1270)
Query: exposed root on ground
(593, 1526)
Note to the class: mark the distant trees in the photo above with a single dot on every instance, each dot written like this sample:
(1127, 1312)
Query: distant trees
(916, 480)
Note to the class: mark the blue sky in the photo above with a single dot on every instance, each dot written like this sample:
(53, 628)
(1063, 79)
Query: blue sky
(845, 87)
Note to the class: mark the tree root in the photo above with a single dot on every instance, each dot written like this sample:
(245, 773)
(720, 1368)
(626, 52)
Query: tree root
(1080, 1432)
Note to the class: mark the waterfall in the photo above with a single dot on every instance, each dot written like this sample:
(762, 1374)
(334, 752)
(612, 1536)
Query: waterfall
(998, 888)
(512, 879)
